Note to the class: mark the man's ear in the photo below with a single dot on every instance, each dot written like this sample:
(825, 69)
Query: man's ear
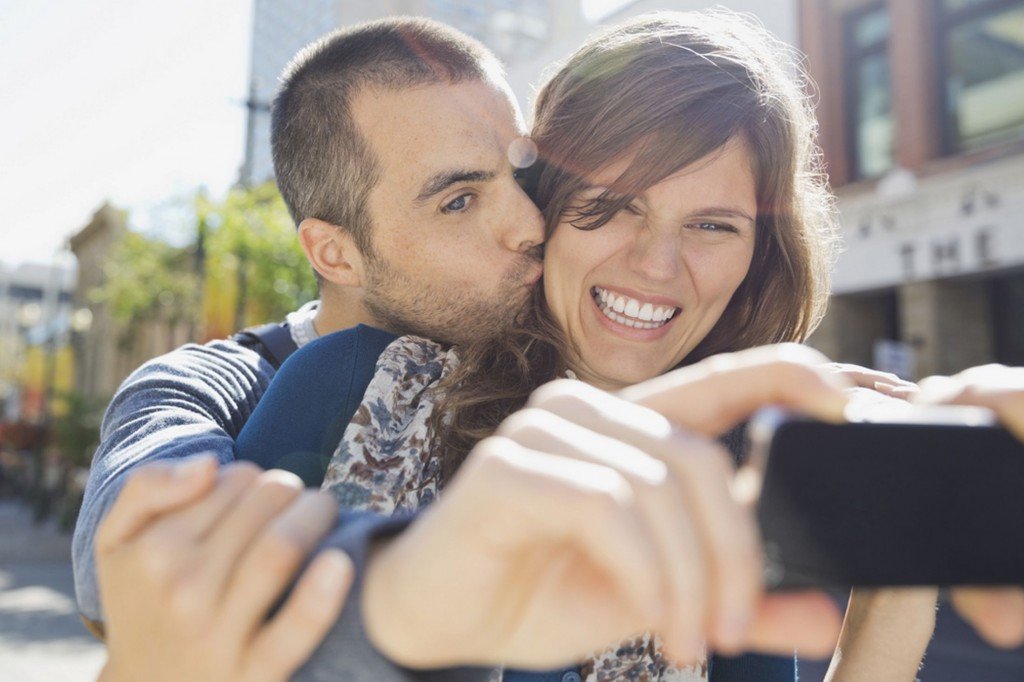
(332, 252)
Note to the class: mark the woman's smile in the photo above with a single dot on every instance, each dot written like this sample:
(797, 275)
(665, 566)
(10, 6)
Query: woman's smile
(633, 315)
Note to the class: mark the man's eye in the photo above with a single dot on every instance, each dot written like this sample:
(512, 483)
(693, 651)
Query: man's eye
(458, 204)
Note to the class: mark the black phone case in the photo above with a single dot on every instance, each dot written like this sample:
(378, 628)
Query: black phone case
(873, 504)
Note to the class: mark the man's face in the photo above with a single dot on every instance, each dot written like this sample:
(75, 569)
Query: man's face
(454, 237)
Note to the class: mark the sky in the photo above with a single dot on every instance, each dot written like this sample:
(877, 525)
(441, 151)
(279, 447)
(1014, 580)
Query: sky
(136, 102)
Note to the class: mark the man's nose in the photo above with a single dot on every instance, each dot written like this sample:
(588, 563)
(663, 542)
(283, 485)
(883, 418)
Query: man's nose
(522, 226)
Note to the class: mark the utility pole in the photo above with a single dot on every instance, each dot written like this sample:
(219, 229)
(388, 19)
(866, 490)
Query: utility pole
(253, 106)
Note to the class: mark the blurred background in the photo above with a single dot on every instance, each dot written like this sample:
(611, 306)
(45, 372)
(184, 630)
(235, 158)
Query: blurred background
(139, 213)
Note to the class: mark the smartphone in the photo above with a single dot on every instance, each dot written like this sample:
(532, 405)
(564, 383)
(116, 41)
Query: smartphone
(899, 496)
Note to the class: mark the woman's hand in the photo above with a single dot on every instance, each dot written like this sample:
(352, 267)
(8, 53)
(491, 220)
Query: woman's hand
(883, 382)
(588, 519)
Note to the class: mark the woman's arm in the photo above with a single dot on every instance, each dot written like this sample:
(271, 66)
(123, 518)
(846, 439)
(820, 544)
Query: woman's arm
(885, 634)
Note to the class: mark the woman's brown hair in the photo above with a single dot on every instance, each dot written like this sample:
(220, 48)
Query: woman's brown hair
(665, 90)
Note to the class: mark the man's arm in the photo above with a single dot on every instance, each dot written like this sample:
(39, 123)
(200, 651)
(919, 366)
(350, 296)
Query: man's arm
(193, 400)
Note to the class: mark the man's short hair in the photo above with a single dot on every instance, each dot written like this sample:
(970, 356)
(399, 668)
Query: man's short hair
(324, 166)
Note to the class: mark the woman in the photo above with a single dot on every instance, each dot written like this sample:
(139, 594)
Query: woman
(685, 217)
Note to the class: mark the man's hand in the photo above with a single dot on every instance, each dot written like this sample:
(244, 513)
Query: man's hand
(191, 561)
(588, 518)
(997, 614)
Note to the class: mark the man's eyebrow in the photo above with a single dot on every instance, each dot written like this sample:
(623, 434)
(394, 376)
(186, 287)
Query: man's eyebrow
(445, 179)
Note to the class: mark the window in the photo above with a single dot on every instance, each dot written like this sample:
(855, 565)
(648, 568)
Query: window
(869, 91)
(982, 43)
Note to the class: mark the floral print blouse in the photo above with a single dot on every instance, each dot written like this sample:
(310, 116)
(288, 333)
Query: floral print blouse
(383, 464)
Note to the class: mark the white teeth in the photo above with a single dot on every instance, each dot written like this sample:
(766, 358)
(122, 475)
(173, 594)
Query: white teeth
(630, 312)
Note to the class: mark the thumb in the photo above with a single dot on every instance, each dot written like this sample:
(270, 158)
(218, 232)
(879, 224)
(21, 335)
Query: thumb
(717, 393)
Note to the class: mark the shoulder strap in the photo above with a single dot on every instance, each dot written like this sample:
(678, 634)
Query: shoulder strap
(272, 341)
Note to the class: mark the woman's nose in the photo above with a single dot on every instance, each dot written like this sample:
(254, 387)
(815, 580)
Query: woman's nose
(656, 255)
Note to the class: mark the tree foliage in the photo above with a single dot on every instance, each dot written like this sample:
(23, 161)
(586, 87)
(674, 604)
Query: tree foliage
(243, 267)
(255, 270)
(148, 280)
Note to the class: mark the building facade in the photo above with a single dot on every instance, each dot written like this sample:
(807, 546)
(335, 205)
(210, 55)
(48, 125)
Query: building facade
(921, 105)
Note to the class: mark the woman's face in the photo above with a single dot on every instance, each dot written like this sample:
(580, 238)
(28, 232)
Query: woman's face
(636, 295)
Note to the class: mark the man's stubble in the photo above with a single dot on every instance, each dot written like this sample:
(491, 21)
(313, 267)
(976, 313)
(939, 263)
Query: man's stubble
(405, 305)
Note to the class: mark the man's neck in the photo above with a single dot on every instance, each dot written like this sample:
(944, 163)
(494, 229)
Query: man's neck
(336, 313)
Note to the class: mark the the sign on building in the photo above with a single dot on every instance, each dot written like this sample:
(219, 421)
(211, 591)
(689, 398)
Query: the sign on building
(957, 224)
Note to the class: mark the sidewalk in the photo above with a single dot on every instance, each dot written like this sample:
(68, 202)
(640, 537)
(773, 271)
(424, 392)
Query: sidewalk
(41, 637)
(22, 540)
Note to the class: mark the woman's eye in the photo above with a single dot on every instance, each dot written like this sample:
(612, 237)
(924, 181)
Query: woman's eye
(715, 227)
(458, 204)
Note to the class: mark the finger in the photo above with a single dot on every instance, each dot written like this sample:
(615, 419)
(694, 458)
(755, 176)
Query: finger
(729, 542)
(272, 492)
(271, 562)
(996, 387)
(865, 376)
(197, 520)
(996, 613)
(894, 391)
(808, 622)
(721, 391)
(588, 507)
(152, 491)
(287, 641)
(661, 502)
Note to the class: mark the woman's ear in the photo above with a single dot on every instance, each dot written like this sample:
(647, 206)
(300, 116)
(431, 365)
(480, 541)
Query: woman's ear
(332, 252)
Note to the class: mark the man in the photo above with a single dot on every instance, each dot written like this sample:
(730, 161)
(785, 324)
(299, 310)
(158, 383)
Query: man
(391, 151)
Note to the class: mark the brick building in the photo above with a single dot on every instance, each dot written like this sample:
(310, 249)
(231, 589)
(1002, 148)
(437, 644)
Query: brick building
(921, 105)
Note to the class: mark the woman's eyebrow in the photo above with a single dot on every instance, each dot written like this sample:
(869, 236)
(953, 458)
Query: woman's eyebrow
(441, 181)
(724, 212)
